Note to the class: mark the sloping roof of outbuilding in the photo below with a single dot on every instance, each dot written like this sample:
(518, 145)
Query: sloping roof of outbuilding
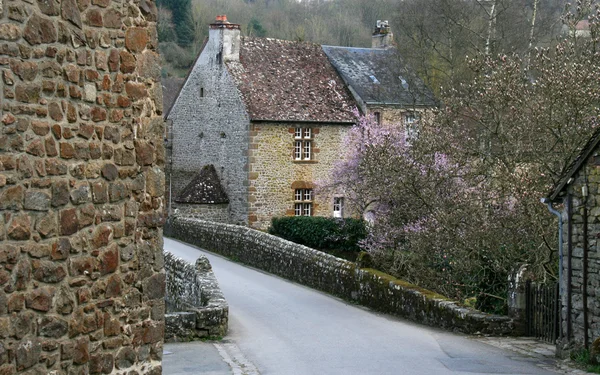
(204, 188)
(380, 76)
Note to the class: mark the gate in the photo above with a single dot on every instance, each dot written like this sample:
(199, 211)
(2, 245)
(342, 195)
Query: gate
(542, 311)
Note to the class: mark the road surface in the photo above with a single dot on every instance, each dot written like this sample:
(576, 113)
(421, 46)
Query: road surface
(287, 329)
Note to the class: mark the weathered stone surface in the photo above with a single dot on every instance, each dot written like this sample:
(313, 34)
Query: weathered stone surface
(67, 157)
(60, 193)
(55, 327)
(136, 39)
(154, 286)
(40, 30)
(155, 182)
(12, 198)
(37, 200)
(40, 299)
(46, 225)
(48, 7)
(28, 353)
(136, 91)
(68, 221)
(110, 172)
(9, 32)
(47, 271)
(19, 228)
(126, 357)
(70, 12)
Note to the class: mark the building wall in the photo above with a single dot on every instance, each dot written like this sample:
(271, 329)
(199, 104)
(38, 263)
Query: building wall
(274, 174)
(81, 188)
(590, 173)
(212, 129)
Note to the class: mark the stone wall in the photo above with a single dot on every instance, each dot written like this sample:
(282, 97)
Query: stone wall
(336, 276)
(210, 126)
(81, 188)
(589, 175)
(274, 174)
(210, 212)
(196, 308)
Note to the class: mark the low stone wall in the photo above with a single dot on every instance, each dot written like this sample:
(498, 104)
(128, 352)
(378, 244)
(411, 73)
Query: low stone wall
(336, 276)
(196, 307)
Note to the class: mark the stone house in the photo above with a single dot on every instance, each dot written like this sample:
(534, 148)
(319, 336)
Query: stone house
(381, 83)
(578, 192)
(270, 116)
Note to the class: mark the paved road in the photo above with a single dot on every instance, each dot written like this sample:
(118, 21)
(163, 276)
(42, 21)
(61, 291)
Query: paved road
(287, 329)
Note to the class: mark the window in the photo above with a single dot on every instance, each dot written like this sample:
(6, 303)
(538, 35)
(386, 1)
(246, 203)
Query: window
(377, 117)
(303, 202)
(202, 92)
(302, 144)
(411, 125)
(338, 207)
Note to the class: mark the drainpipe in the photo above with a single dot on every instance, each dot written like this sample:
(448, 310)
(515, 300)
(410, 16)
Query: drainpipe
(560, 250)
(584, 193)
(569, 265)
(560, 241)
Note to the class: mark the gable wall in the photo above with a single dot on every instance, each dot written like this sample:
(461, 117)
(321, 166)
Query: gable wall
(274, 174)
(590, 173)
(211, 130)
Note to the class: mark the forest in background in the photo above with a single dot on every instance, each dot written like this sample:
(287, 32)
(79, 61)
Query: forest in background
(434, 36)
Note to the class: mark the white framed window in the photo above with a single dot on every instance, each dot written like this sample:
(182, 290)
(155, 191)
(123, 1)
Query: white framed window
(411, 128)
(303, 202)
(338, 207)
(303, 144)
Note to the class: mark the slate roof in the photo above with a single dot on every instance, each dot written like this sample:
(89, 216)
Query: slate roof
(575, 165)
(170, 88)
(204, 188)
(379, 76)
(290, 81)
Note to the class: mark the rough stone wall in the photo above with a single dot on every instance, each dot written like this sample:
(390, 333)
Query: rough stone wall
(590, 172)
(196, 307)
(273, 170)
(211, 129)
(392, 115)
(81, 188)
(336, 276)
(210, 212)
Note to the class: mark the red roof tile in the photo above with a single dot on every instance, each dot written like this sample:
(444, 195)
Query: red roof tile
(290, 81)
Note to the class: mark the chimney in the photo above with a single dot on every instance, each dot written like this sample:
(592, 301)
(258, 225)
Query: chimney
(225, 38)
(382, 36)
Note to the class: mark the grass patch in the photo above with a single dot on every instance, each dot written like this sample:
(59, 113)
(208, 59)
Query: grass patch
(582, 358)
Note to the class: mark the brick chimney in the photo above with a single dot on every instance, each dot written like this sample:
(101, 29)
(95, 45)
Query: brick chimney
(382, 36)
(225, 37)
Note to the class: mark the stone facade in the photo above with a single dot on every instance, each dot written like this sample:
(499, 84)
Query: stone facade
(81, 188)
(336, 276)
(274, 174)
(579, 191)
(210, 126)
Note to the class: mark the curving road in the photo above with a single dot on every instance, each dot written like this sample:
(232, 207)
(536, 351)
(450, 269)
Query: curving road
(287, 329)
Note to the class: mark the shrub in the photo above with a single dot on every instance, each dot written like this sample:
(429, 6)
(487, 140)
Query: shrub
(321, 233)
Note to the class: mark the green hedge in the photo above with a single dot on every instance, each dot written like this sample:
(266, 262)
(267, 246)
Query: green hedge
(323, 233)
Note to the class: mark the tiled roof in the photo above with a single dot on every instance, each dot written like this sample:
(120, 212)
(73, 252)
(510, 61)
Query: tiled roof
(575, 165)
(380, 76)
(290, 81)
(204, 188)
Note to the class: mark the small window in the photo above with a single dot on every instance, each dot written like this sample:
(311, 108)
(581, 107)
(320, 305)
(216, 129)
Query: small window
(302, 144)
(202, 92)
(377, 117)
(338, 207)
(303, 201)
(411, 126)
